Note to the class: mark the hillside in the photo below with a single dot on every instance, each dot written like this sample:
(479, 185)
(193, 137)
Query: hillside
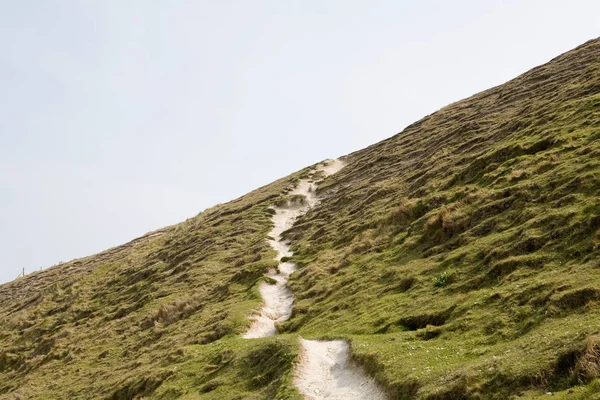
(459, 258)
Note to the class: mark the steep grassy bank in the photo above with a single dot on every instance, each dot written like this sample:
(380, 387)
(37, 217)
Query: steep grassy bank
(461, 256)
(159, 316)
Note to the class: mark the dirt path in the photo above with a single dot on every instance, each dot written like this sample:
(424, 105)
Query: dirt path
(325, 372)
(278, 298)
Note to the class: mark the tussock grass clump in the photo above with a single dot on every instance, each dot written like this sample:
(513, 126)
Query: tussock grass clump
(141, 387)
(577, 298)
(266, 365)
(420, 321)
(174, 311)
(588, 364)
(295, 200)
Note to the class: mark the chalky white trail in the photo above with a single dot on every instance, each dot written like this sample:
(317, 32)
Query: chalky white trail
(324, 370)
(278, 299)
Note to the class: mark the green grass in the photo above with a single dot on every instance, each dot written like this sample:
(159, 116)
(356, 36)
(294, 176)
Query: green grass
(459, 258)
(235, 368)
(129, 321)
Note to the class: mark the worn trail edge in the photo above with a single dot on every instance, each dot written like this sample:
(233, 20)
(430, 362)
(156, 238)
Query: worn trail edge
(278, 299)
(324, 370)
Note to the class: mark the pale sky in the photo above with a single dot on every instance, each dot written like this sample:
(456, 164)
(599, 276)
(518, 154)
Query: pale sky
(119, 117)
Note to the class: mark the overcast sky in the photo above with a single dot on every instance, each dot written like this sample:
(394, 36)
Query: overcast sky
(120, 117)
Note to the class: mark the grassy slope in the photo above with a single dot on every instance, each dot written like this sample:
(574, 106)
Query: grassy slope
(459, 257)
(160, 315)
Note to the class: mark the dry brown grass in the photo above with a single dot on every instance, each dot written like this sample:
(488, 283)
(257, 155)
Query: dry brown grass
(588, 365)
(175, 311)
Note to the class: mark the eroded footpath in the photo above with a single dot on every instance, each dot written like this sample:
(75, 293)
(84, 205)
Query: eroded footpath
(324, 369)
(278, 299)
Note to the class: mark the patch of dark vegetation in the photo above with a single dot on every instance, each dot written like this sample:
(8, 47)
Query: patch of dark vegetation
(250, 273)
(406, 390)
(136, 388)
(457, 389)
(44, 347)
(577, 298)
(489, 162)
(393, 284)
(10, 361)
(443, 279)
(504, 267)
(420, 321)
(220, 361)
(429, 332)
(210, 386)
(266, 365)
(407, 212)
(575, 366)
